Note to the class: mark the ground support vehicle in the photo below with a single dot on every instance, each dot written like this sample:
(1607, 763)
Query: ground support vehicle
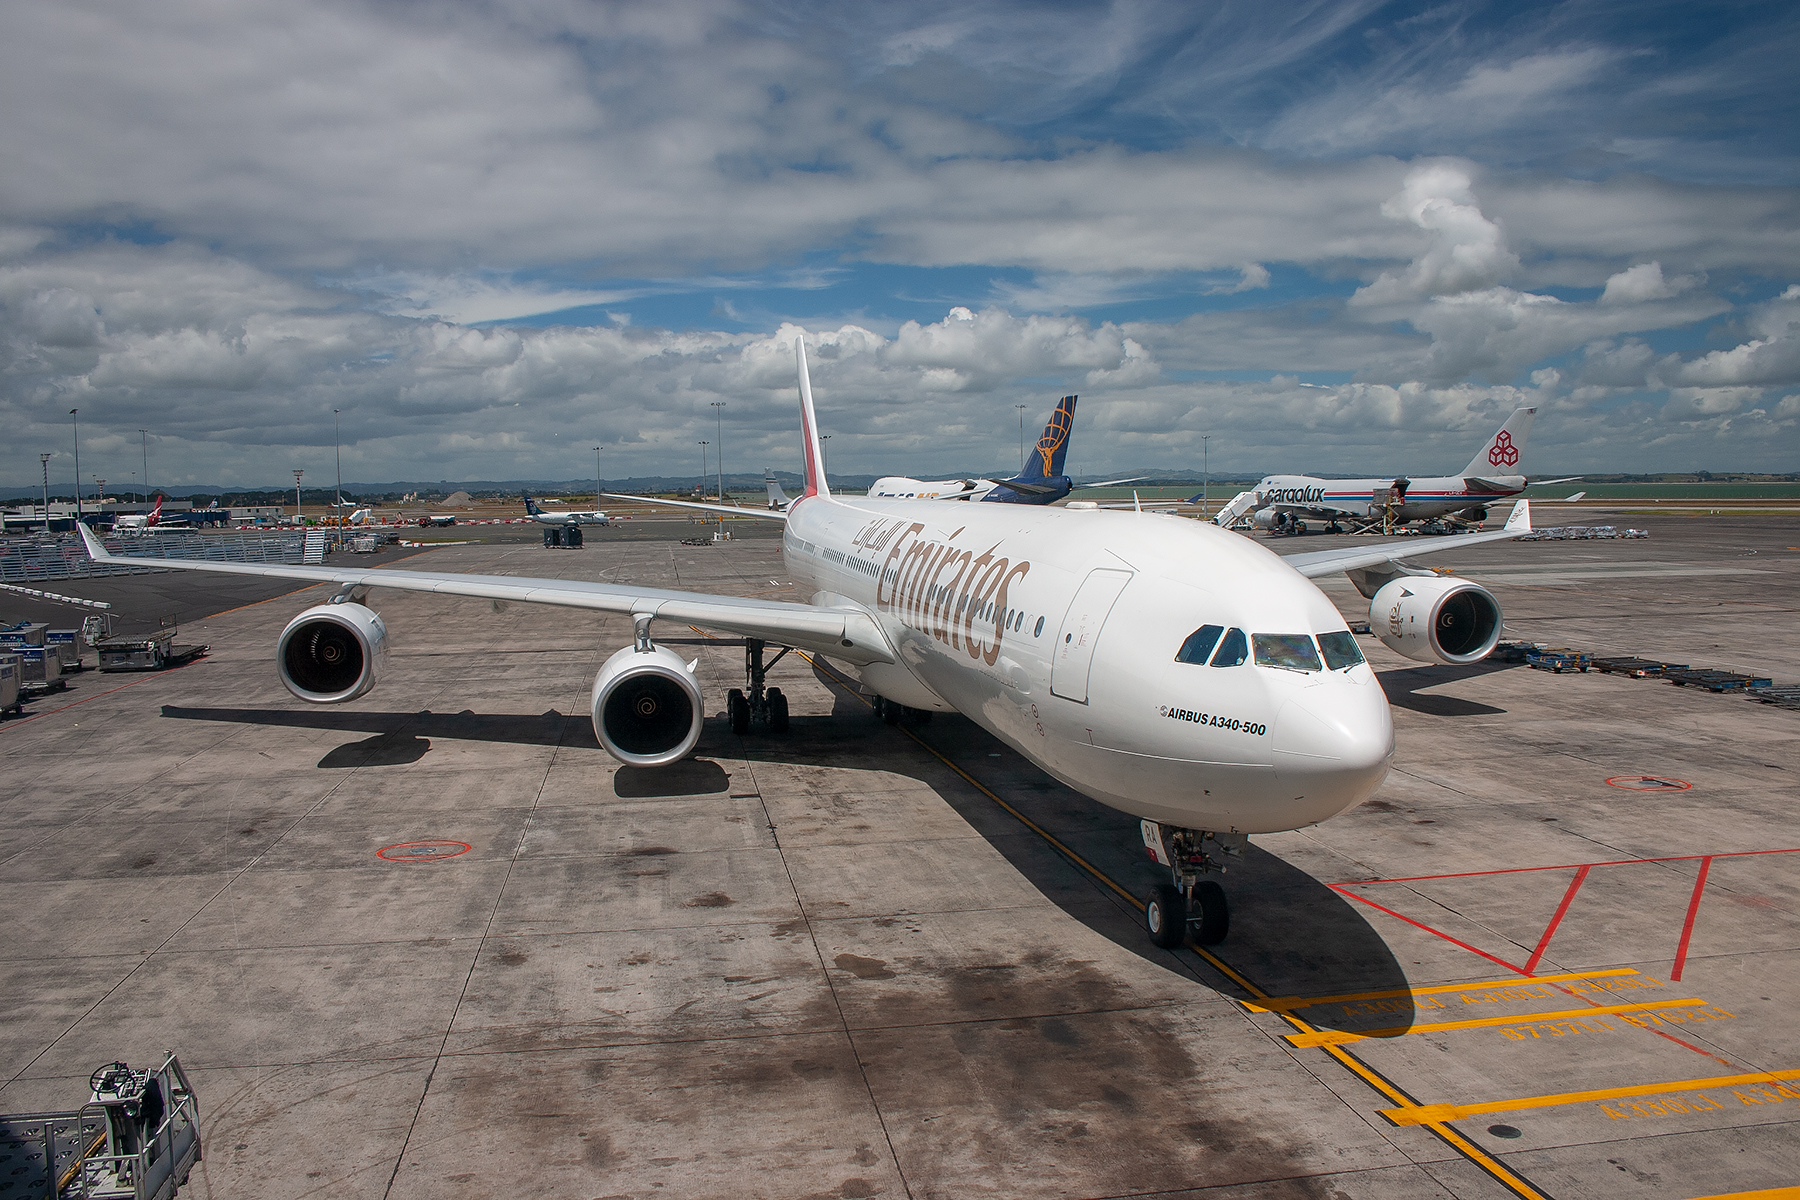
(137, 1137)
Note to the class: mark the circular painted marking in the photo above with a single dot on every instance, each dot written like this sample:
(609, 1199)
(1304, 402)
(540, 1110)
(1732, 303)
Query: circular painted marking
(1649, 783)
(433, 850)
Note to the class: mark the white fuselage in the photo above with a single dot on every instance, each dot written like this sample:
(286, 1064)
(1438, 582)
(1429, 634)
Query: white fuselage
(1058, 631)
(900, 487)
(1308, 496)
(570, 518)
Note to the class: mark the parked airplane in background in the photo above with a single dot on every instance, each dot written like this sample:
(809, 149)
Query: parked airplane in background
(1282, 501)
(565, 517)
(1178, 673)
(778, 499)
(1041, 482)
(438, 519)
(139, 522)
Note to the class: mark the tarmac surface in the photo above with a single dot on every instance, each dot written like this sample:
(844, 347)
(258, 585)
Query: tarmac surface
(436, 943)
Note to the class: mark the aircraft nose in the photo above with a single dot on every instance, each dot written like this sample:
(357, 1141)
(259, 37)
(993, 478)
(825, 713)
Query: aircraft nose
(1332, 745)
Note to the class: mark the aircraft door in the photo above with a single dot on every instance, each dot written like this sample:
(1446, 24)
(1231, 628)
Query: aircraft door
(1073, 655)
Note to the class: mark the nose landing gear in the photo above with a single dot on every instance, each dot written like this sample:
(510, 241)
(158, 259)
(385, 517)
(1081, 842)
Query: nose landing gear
(1189, 903)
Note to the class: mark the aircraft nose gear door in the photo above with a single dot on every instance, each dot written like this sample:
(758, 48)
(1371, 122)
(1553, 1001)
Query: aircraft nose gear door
(1074, 652)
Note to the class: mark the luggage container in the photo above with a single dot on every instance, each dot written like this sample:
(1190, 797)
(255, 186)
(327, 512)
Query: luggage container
(67, 644)
(9, 684)
(24, 633)
(39, 664)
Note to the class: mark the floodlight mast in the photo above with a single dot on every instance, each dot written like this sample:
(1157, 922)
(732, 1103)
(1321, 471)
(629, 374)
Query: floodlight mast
(75, 416)
(45, 459)
(297, 475)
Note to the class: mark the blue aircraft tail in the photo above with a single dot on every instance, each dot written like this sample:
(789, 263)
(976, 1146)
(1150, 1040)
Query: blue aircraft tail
(1046, 458)
(531, 508)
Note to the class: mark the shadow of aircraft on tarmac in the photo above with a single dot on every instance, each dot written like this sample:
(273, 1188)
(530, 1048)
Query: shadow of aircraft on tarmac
(1291, 935)
(1402, 688)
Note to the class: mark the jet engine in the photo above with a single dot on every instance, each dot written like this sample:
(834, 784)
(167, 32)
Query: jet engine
(1435, 619)
(646, 707)
(331, 653)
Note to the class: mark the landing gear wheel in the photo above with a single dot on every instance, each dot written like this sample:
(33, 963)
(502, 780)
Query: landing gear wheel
(738, 708)
(1213, 920)
(778, 712)
(1166, 916)
(891, 712)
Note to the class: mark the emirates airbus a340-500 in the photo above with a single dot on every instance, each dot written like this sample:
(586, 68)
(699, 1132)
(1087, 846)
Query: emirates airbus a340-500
(1162, 666)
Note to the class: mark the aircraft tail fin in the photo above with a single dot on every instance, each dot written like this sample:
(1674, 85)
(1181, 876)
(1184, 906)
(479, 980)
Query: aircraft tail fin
(155, 513)
(778, 499)
(1046, 458)
(1505, 450)
(809, 428)
(531, 508)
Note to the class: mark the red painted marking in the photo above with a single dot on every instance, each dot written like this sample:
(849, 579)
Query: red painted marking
(1648, 783)
(1550, 930)
(431, 850)
(1618, 862)
(1687, 926)
(1428, 929)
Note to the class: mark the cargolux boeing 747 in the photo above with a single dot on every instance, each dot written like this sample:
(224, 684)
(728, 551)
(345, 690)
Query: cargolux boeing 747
(1162, 666)
(1282, 501)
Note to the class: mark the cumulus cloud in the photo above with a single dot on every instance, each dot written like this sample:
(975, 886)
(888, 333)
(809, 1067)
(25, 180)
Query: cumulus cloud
(1466, 252)
(1644, 282)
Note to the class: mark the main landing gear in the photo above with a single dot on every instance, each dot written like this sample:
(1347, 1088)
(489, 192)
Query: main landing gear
(766, 705)
(1189, 903)
(900, 714)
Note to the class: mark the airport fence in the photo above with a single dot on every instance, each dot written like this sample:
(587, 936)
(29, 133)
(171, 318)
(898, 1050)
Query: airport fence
(34, 560)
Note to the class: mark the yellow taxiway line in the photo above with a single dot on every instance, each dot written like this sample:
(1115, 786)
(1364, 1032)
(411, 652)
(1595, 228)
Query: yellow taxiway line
(1338, 1037)
(1289, 1003)
(1426, 1114)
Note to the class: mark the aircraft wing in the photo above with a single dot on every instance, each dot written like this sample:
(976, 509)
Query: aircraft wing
(846, 631)
(765, 514)
(1029, 489)
(1564, 479)
(1324, 562)
(1114, 482)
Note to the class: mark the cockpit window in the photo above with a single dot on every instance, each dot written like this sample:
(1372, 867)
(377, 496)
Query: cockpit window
(1289, 651)
(1341, 650)
(1233, 650)
(1199, 645)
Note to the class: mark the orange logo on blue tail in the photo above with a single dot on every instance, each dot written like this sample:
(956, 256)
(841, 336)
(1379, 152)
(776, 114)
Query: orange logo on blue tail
(1055, 440)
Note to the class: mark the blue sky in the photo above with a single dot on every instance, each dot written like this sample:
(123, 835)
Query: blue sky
(1331, 236)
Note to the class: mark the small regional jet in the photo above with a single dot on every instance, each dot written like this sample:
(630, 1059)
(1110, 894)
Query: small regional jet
(139, 522)
(1162, 666)
(564, 517)
(1041, 482)
(1285, 502)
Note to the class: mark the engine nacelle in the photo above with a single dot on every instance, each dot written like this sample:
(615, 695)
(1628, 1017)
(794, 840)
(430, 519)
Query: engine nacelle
(331, 653)
(1435, 619)
(646, 707)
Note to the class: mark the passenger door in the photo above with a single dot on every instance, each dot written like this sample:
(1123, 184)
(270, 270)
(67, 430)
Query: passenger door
(1073, 654)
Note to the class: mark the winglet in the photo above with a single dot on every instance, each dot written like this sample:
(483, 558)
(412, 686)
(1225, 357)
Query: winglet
(1520, 521)
(809, 429)
(96, 550)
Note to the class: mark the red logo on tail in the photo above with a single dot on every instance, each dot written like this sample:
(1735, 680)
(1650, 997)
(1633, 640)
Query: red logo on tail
(1504, 453)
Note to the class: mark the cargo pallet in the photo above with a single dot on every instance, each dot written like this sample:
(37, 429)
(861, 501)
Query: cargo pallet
(1636, 668)
(1717, 681)
(153, 652)
(1559, 660)
(1786, 695)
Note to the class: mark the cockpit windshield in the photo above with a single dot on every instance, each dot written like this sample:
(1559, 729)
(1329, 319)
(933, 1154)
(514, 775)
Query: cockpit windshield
(1199, 645)
(1289, 651)
(1340, 649)
(1233, 650)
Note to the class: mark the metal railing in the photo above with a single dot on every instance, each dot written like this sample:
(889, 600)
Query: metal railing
(38, 559)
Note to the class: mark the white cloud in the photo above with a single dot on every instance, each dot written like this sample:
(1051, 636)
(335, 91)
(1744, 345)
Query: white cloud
(1467, 251)
(1644, 282)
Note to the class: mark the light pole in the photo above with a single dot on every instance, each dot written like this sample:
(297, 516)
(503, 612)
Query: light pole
(99, 496)
(599, 483)
(297, 475)
(75, 415)
(338, 448)
(718, 407)
(1206, 460)
(703, 446)
(1021, 409)
(45, 459)
(823, 438)
(144, 436)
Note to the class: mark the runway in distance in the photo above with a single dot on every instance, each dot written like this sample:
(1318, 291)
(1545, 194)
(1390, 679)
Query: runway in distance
(1165, 667)
(1041, 481)
(1281, 501)
(564, 516)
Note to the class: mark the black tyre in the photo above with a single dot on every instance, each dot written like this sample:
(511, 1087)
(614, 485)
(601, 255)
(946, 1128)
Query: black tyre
(891, 712)
(738, 708)
(1166, 917)
(778, 712)
(1211, 913)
